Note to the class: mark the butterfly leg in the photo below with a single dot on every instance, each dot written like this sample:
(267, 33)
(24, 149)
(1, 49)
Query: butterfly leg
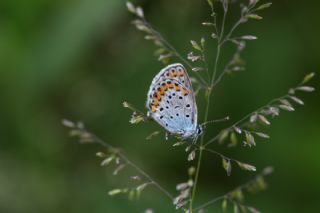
(194, 140)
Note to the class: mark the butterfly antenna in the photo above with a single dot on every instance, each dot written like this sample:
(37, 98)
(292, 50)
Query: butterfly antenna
(215, 121)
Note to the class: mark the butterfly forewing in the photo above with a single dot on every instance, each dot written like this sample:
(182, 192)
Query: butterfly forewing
(171, 101)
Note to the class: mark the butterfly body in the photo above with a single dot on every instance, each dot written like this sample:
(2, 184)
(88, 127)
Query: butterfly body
(171, 102)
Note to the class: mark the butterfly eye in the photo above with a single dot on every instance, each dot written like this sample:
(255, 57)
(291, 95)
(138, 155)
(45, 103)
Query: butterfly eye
(199, 131)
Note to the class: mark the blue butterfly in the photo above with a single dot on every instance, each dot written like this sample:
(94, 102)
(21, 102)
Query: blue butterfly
(171, 102)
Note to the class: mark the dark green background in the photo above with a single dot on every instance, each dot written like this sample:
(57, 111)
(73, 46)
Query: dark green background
(80, 59)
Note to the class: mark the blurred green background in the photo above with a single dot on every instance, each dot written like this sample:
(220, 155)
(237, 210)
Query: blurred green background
(80, 59)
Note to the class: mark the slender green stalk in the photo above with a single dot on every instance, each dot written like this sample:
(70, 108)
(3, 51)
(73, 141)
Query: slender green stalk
(235, 26)
(129, 162)
(219, 154)
(194, 189)
(215, 66)
(220, 38)
(169, 47)
(244, 118)
(265, 172)
(205, 62)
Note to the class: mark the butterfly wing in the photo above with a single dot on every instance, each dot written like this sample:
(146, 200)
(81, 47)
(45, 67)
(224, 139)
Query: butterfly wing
(171, 101)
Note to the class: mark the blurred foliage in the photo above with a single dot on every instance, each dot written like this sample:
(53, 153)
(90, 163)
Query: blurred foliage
(79, 59)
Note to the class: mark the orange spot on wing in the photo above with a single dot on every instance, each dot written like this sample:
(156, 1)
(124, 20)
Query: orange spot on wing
(155, 101)
(185, 92)
(170, 86)
(153, 108)
(162, 89)
(177, 88)
(173, 73)
(158, 96)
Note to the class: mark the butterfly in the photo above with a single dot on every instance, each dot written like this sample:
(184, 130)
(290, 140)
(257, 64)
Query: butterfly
(171, 102)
